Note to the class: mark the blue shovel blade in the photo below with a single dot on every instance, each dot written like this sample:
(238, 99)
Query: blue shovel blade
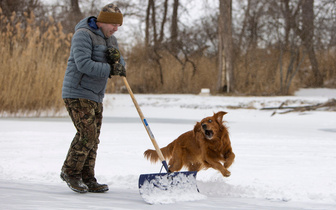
(167, 181)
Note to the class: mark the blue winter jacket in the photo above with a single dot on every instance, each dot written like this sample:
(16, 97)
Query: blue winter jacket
(87, 70)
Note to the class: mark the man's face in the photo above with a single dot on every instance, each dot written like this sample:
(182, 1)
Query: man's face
(109, 29)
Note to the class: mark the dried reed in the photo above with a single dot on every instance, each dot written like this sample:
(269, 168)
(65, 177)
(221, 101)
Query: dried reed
(32, 65)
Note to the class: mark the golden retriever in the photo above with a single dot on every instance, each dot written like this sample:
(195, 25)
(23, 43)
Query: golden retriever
(206, 146)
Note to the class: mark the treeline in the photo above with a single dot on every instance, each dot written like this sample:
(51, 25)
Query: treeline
(247, 48)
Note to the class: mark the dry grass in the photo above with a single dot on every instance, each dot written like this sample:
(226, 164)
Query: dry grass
(258, 73)
(327, 63)
(32, 65)
(143, 73)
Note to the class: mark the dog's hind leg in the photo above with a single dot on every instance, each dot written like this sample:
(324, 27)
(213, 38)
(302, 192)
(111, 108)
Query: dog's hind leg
(176, 162)
(194, 166)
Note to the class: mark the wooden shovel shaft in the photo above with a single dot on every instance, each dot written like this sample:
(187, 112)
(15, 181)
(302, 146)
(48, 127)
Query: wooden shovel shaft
(144, 121)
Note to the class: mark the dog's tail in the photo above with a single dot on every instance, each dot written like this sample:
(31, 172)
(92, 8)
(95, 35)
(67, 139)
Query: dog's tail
(152, 155)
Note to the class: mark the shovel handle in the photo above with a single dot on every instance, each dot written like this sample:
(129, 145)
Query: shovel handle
(145, 123)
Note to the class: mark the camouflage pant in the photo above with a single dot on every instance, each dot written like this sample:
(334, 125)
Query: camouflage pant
(87, 118)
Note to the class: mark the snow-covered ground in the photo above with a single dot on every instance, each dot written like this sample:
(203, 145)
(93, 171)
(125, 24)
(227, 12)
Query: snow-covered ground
(284, 161)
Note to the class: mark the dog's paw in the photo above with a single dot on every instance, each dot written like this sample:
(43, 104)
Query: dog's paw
(226, 173)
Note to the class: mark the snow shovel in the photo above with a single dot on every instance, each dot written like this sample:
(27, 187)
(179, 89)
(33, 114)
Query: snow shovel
(171, 183)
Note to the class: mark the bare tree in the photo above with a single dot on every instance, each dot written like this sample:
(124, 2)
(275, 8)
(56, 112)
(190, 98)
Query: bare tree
(288, 45)
(148, 12)
(75, 10)
(225, 53)
(164, 19)
(22, 6)
(304, 28)
(151, 22)
(307, 36)
(244, 26)
(174, 28)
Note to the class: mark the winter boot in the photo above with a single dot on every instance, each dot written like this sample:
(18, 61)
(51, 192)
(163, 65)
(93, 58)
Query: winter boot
(95, 187)
(75, 183)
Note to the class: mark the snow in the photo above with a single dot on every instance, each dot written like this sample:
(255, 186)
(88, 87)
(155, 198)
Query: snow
(166, 188)
(284, 161)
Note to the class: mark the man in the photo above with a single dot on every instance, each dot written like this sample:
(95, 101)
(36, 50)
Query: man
(94, 57)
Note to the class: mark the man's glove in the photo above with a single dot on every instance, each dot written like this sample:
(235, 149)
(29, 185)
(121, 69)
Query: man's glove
(112, 55)
(117, 69)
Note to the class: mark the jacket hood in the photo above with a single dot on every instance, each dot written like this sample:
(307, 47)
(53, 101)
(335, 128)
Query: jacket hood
(86, 22)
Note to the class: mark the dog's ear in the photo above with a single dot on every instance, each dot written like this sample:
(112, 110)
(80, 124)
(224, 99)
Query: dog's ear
(197, 127)
(219, 116)
(197, 133)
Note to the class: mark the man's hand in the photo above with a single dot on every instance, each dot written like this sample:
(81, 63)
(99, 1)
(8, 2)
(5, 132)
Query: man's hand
(112, 55)
(118, 69)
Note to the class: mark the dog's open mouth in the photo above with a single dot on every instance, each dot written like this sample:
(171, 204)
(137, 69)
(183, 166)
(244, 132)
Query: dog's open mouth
(208, 134)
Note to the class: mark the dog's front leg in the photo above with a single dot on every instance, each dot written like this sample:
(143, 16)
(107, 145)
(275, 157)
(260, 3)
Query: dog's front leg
(229, 158)
(218, 166)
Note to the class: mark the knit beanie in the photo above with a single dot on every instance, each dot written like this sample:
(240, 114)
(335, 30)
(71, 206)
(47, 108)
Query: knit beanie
(110, 14)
